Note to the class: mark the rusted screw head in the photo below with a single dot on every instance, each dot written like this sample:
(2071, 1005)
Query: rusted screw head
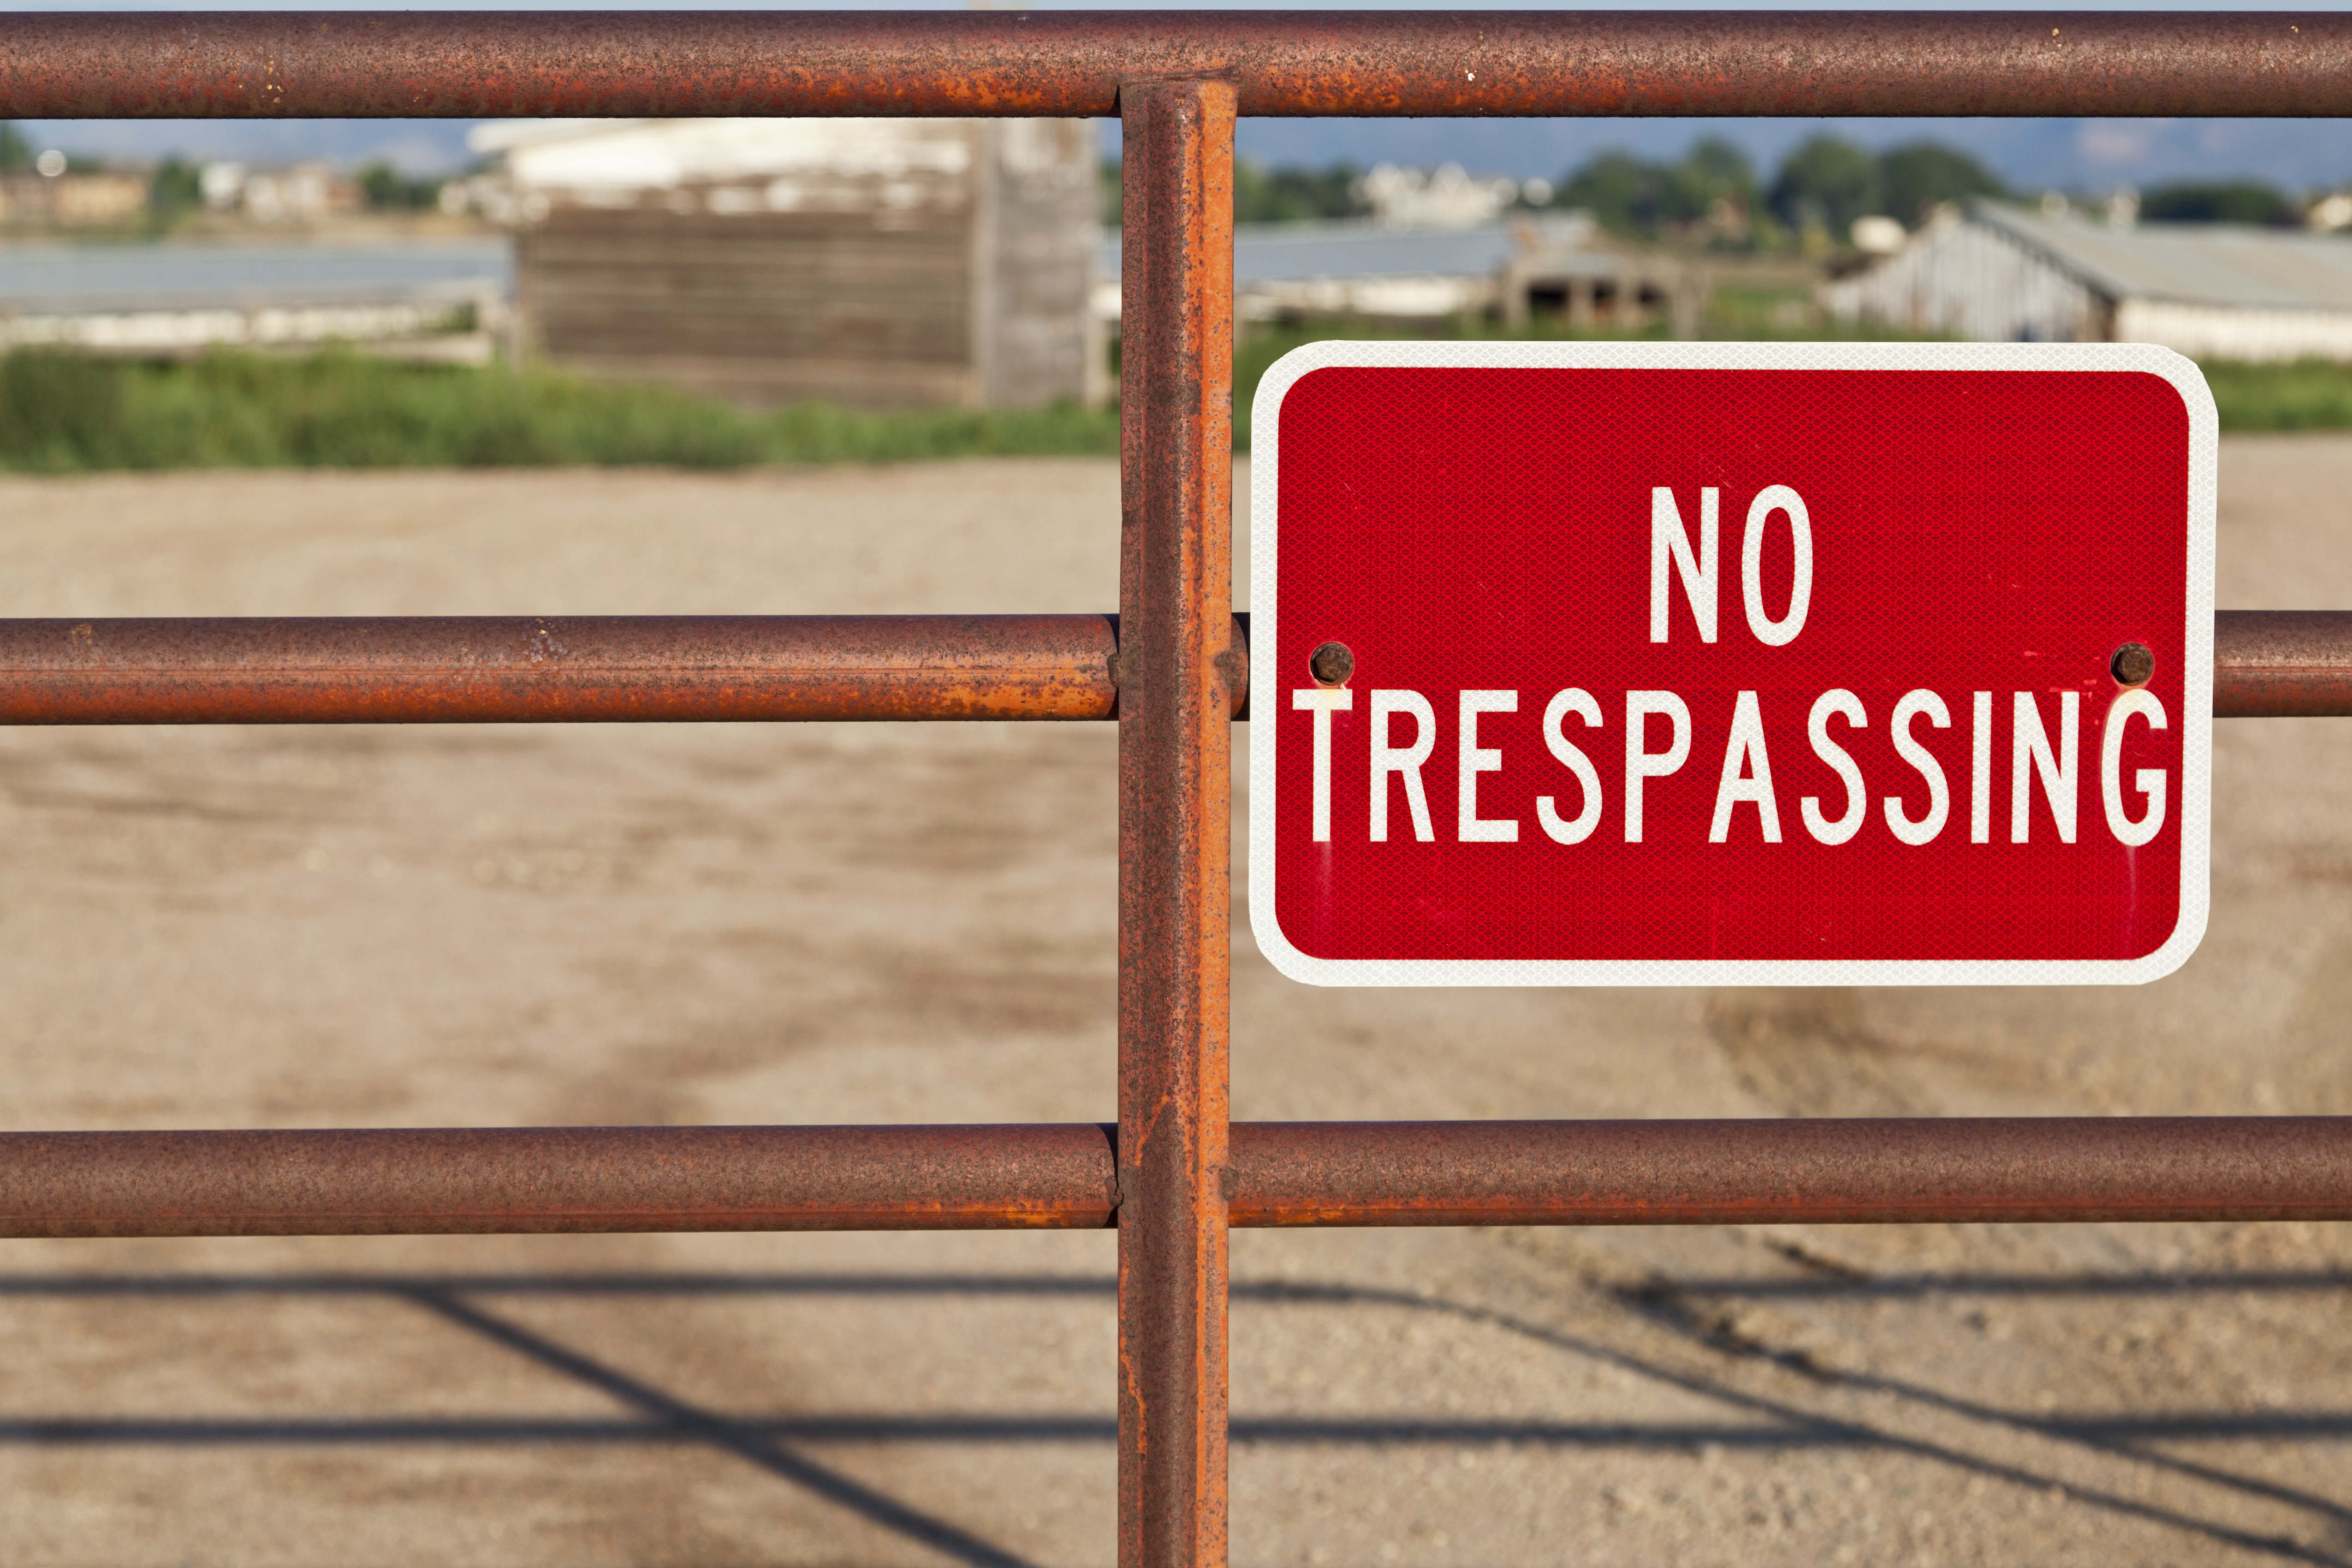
(2133, 664)
(1333, 664)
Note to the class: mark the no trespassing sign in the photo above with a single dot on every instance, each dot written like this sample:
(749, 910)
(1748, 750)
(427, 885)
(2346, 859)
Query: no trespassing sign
(1745, 663)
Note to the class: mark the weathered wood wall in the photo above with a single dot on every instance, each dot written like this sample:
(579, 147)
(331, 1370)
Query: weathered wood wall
(1040, 231)
(898, 281)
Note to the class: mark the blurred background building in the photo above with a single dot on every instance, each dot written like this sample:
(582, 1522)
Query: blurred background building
(1532, 266)
(431, 298)
(52, 192)
(892, 264)
(304, 192)
(1994, 272)
(871, 263)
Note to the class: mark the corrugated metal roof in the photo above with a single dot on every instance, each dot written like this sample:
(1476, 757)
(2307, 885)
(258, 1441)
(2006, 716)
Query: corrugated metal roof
(659, 155)
(44, 278)
(1294, 252)
(1273, 254)
(2201, 263)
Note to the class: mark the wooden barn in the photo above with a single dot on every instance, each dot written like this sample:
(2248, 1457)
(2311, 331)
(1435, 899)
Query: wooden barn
(871, 263)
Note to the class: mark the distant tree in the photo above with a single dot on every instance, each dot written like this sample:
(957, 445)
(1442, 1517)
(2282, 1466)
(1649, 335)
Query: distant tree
(1620, 192)
(1914, 179)
(1714, 185)
(1110, 189)
(1826, 184)
(2230, 201)
(16, 152)
(1292, 194)
(388, 189)
(173, 190)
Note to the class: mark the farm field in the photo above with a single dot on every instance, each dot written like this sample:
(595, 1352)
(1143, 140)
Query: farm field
(608, 924)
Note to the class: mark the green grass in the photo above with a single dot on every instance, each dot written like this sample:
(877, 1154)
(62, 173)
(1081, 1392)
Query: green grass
(2298, 394)
(2302, 394)
(1261, 345)
(63, 412)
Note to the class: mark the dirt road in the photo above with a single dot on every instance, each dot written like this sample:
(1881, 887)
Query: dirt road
(494, 926)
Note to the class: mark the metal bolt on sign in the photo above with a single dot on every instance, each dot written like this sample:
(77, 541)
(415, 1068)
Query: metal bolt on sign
(1332, 664)
(1172, 669)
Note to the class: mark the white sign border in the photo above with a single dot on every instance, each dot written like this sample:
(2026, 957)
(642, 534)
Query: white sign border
(2197, 739)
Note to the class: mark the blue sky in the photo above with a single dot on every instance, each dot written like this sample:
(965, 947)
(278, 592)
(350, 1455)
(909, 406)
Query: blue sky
(2071, 154)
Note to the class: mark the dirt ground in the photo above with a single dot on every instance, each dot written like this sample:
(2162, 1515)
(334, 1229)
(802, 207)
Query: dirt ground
(487, 926)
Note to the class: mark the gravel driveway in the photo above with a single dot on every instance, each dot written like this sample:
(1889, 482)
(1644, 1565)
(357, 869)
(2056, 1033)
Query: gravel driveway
(497, 926)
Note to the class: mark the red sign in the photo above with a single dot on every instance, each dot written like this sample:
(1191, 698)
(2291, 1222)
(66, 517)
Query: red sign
(1670, 664)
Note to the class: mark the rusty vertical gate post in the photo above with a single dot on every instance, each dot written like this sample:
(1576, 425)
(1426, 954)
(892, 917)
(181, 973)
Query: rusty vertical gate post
(1175, 797)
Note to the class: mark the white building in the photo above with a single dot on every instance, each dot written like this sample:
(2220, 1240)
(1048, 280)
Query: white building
(301, 194)
(1448, 196)
(439, 300)
(1992, 273)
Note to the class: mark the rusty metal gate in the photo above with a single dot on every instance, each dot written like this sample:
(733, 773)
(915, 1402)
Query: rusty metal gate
(1171, 666)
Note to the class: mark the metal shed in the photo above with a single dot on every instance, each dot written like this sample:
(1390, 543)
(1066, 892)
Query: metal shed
(1995, 273)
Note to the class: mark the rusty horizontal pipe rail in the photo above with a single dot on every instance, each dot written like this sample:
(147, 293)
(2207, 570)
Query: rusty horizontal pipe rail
(658, 667)
(2282, 664)
(532, 1179)
(1826, 1171)
(277, 65)
(580, 668)
(1284, 1174)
